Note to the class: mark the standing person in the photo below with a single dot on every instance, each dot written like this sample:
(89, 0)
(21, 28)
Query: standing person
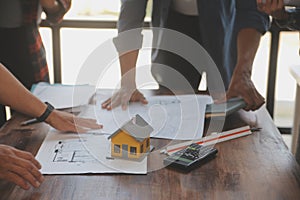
(229, 30)
(20, 167)
(21, 49)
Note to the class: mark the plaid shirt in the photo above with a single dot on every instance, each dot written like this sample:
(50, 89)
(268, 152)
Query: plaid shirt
(36, 49)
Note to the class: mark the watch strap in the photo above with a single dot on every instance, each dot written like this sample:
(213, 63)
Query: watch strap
(46, 113)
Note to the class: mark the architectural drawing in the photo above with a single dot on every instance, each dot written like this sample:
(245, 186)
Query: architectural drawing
(72, 151)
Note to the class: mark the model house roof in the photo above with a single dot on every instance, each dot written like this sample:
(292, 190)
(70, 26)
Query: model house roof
(137, 127)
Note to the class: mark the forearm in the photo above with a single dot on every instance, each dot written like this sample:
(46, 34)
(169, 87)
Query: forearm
(247, 45)
(128, 64)
(15, 95)
(241, 84)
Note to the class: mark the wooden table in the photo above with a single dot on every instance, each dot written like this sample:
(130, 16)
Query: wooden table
(258, 166)
(295, 72)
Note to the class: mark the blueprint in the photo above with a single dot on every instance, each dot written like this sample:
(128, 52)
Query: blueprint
(178, 117)
(67, 153)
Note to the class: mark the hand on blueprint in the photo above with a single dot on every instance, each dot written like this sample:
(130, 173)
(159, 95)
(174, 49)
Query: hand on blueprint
(241, 85)
(19, 167)
(275, 8)
(122, 97)
(67, 122)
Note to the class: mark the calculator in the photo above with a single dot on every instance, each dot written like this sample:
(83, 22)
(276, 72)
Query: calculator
(190, 157)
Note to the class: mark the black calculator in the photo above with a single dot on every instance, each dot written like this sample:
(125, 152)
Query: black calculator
(190, 157)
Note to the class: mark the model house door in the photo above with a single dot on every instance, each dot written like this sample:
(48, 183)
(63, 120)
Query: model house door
(124, 150)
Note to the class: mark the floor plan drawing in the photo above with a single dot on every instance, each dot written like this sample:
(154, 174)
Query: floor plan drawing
(73, 153)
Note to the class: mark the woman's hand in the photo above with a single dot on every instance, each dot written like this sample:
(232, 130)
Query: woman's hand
(67, 122)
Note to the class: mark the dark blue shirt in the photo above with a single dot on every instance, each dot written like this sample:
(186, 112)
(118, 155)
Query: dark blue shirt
(219, 22)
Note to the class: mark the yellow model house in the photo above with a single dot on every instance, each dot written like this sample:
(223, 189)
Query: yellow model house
(132, 140)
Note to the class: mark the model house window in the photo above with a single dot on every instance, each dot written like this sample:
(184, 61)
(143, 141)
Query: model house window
(148, 142)
(142, 148)
(133, 150)
(117, 148)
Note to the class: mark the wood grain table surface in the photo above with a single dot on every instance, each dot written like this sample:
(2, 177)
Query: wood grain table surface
(258, 166)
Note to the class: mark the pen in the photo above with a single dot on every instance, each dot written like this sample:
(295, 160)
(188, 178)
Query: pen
(255, 129)
(30, 121)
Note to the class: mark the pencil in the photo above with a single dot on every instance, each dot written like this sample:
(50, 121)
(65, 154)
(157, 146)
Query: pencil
(30, 121)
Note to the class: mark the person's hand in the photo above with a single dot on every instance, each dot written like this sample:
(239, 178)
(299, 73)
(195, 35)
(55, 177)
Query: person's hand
(19, 167)
(52, 6)
(241, 85)
(122, 97)
(67, 122)
(275, 8)
(48, 3)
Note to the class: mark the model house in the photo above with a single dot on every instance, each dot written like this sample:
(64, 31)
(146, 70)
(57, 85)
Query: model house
(132, 140)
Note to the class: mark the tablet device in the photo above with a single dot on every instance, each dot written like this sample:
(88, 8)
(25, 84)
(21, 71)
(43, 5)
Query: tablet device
(224, 109)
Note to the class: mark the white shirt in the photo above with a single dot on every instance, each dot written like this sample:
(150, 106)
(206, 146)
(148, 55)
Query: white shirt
(186, 7)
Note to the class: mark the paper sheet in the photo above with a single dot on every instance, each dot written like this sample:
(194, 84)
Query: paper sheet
(82, 153)
(178, 117)
(64, 96)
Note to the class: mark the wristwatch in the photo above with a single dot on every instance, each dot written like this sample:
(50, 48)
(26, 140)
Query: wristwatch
(47, 112)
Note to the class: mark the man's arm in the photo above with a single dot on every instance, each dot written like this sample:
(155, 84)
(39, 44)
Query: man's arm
(250, 25)
(241, 83)
(128, 43)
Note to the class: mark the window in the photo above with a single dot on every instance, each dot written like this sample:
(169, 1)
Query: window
(94, 10)
(133, 150)
(142, 148)
(287, 56)
(116, 148)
